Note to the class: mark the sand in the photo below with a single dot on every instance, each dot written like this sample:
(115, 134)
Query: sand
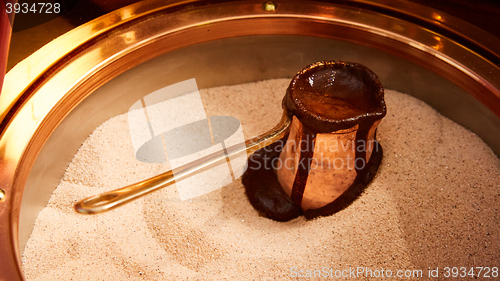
(433, 204)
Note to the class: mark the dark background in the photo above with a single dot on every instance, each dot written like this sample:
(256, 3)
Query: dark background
(32, 31)
(482, 13)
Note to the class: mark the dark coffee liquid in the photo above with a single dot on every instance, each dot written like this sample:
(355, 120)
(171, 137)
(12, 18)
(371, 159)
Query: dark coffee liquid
(306, 155)
(263, 188)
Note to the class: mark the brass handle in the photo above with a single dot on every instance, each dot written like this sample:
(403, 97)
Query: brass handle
(113, 199)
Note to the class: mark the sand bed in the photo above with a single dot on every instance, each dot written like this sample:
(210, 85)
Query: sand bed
(434, 203)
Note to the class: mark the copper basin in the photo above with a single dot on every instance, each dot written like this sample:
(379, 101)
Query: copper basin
(53, 99)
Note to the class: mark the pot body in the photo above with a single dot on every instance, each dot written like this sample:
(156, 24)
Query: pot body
(333, 167)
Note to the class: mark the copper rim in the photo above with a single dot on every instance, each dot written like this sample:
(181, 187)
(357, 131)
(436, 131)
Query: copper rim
(41, 90)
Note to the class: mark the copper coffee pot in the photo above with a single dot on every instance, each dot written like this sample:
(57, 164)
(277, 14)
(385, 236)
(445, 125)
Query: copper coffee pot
(331, 153)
